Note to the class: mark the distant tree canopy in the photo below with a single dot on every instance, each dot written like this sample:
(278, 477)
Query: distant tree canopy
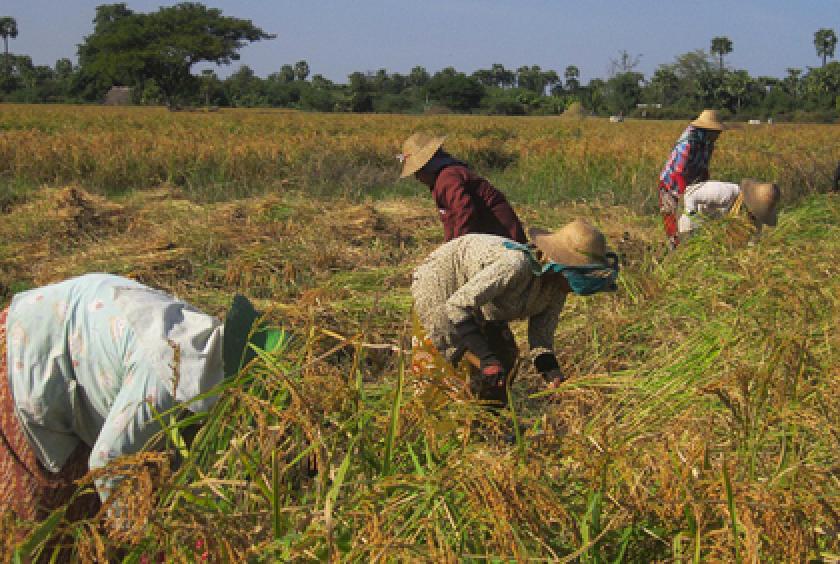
(455, 90)
(156, 54)
(132, 48)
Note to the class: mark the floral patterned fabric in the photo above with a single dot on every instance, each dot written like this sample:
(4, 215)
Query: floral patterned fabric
(27, 489)
(93, 360)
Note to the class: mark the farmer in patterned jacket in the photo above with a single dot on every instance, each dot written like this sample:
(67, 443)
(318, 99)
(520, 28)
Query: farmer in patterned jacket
(687, 165)
(86, 368)
(477, 279)
(467, 202)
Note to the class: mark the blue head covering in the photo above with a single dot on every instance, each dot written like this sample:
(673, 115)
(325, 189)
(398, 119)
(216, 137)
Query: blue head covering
(584, 279)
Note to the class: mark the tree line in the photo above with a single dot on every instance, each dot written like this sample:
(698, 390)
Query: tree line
(155, 54)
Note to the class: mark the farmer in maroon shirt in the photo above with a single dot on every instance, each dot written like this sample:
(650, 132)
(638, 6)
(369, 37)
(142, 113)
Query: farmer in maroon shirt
(467, 202)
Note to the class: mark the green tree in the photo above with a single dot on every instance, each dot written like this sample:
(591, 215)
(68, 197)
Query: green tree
(825, 40)
(792, 82)
(572, 76)
(210, 85)
(359, 88)
(823, 83)
(594, 95)
(623, 91)
(301, 70)
(503, 77)
(485, 77)
(320, 82)
(130, 48)
(455, 90)
(664, 86)
(286, 74)
(737, 87)
(721, 46)
(418, 76)
(551, 78)
(531, 78)
(8, 29)
(624, 63)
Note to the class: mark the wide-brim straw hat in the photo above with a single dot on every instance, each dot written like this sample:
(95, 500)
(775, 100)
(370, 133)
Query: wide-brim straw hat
(762, 199)
(575, 244)
(708, 119)
(417, 151)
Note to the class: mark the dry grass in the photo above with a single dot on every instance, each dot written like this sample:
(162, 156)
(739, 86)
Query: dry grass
(700, 423)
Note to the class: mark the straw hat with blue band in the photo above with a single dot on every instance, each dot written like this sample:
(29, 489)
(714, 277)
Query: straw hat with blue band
(579, 252)
(240, 335)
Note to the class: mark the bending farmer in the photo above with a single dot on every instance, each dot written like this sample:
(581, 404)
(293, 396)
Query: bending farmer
(715, 199)
(687, 164)
(468, 289)
(91, 362)
(467, 202)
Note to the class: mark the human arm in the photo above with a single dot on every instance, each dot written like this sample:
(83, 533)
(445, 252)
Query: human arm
(508, 218)
(510, 271)
(132, 422)
(541, 329)
(502, 211)
(455, 203)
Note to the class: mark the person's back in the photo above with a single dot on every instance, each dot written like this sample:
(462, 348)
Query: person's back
(467, 203)
(92, 359)
(487, 211)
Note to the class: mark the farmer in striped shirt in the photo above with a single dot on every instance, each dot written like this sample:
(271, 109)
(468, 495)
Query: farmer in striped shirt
(687, 165)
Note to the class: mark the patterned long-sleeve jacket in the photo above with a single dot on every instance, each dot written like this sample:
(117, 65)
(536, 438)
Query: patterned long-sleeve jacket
(98, 358)
(688, 162)
(475, 275)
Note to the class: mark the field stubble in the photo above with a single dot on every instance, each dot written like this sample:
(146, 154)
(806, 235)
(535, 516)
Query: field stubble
(700, 423)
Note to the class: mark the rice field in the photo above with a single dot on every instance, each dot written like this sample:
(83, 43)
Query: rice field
(700, 422)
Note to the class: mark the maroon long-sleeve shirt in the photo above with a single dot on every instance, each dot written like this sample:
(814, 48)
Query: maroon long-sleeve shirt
(468, 203)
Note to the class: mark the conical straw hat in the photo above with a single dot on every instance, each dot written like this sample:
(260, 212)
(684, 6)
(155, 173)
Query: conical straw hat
(762, 199)
(575, 244)
(417, 151)
(708, 119)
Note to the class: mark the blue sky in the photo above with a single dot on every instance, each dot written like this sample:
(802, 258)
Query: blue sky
(338, 37)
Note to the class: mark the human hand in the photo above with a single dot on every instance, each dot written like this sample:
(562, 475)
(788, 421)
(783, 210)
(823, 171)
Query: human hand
(492, 372)
(554, 378)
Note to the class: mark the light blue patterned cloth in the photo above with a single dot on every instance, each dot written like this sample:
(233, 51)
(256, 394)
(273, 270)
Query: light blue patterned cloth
(93, 359)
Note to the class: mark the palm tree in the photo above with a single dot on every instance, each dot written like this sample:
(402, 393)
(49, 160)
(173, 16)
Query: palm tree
(824, 40)
(8, 28)
(572, 76)
(721, 46)
(418, 76)
(550, 78)
(301, 70)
